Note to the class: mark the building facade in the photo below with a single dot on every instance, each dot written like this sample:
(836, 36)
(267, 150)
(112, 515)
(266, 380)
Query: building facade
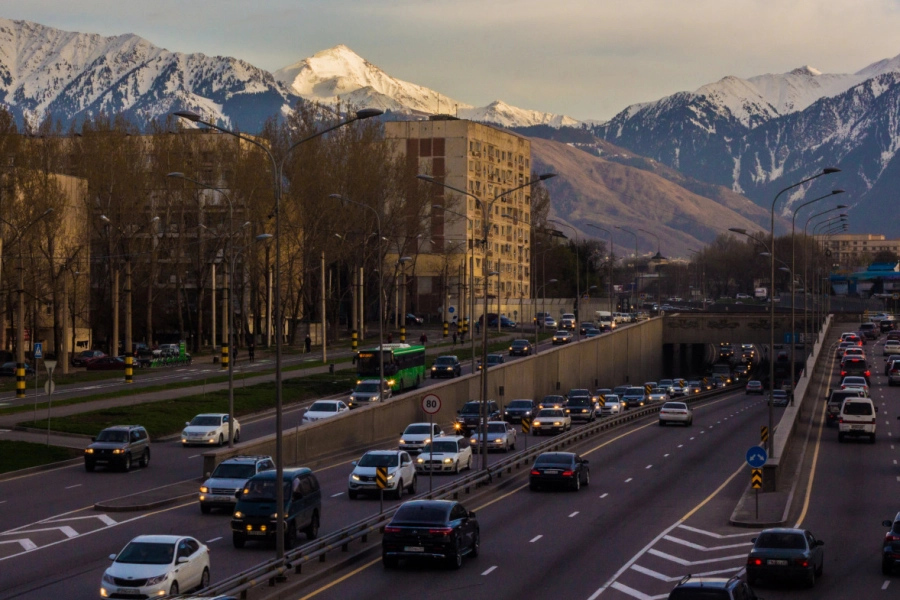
(857, 249)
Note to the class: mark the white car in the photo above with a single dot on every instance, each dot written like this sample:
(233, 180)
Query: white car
(401, 473)
(550, 420)
(612, 406)
(324, 409)
(857, 352)
(500, 436)
(857, 418)
(206, 429)
(156, 565)
(891, 347)
(416, 435)
(676, 412)
(855, 382)
(658, 394)
(549, 323)
(448, 453)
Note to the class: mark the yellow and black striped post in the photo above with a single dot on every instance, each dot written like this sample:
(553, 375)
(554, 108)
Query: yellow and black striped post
(20, 380)
(225, 355)
(756, 478)
(647, 389)
(381, 474)
(129, 367)
(465, 325)
(354, 340)
(526, 424)
(601, 400)
(446, 329)
(763, 434)
(403, 334)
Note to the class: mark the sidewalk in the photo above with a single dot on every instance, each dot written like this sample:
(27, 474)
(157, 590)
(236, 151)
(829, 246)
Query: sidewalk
(10, 421)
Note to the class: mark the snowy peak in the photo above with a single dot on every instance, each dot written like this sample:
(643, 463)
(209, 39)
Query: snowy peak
(505, 115)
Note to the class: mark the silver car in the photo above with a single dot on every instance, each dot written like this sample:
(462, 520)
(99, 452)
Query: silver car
(612, 407)
(658, 394)
(416, 435)
(676, 412)
(230, 476)
(366, 392)
(500, 436)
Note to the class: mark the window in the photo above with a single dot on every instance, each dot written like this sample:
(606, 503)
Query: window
(458, 512)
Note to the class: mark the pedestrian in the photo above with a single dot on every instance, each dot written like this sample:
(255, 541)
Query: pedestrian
(454, 338)
(423, 339)
(307, 343)
(251, 348)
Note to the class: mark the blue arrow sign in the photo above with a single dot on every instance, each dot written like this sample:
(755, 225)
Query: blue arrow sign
(757, 457)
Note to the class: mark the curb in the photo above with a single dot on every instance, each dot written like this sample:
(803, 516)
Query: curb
(146, 506)
(40, 468)
(80, 436)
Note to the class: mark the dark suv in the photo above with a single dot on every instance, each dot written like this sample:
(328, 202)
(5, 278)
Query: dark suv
(469, 417)
(835, 401)
(446, 366)
(431, 529)
(890, 557)
(711, 588)
(118, 446)
(870, 330)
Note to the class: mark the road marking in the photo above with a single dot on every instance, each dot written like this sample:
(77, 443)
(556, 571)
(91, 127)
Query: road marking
(535, 538)
(573, 514)
(688, 563)
(666, 578)
(26, 544)
(2, 501)
(648, 467)
(692, 439)
(489, 571)
(213, 540)
(194, 456)
(682, 542)
(603, 496)
(340, 580)
(886, 584)
(665, 456)
(79, 485)
(681, 445)
(629, 479)
(338, 494)
(634, 593)
(715, 535)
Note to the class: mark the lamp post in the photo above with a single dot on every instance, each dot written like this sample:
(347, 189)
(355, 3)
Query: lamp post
(486, 224)
(634, 264)
(540, 291)
(806, 295)
(577, 276)
(612, 253)
(771, 445)
(659, 258)
(826, 227)
(20, 307)
(277, 167)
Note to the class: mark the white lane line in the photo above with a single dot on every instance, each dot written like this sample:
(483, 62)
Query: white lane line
(213, 540)
(715, 535)
(666, 578)
(688, 563)
(629, 479)
(664, 455)
(489, 571)
(79, 485)
(886, 584)
(635, 593)
(649, 467)
(691, 438)
(682, 542)
(535, 538)
(2, 501)
(196, 455)
(679, 445)
(603, 496)
(701, 431)
(338, 494)
(573, 514)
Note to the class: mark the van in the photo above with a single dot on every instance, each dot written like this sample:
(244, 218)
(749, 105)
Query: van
(856, 366)
(857, 418)
(835, 401)
(254, 513)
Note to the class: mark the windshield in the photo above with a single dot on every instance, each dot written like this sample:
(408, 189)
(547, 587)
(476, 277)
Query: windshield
(206, 421)
(519, 343)
(445, 360)
(783, 541)
(226, 471)
(323, 407)
(493, 358)
(552, 400)
(635, 391)
(550, 413)
(146, 553)
(471, 408)
(579, 401)
(675, 405)
(496, 428)
(421, 513)
(554, 458)
(367, 387)
(378, 460)
(439, 447)
(262, 490)
(116, 437)
(367, 362)
(519, 404)
(665, 382)
(418, 429)
(857, 408)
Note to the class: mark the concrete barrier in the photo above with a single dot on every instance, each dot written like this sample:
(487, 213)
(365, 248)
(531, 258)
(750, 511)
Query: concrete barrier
(631, 354)
(784, 433)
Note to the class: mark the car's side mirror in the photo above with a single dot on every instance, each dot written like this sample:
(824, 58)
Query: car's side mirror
(186, 424)
(820, 543)
(753, 540)
(183, 559)
(471, 514)
(208, 474)
(354, 463)
(887, 523)
(112, 557)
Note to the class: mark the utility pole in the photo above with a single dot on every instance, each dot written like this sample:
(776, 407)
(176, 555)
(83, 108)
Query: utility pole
(129, 350)
(324, 320)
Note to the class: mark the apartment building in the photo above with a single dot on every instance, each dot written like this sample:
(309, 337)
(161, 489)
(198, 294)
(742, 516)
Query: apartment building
(856, 249)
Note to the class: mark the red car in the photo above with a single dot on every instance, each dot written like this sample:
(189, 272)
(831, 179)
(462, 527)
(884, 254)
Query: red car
(107, 363)
(85, 356)
(754, 387)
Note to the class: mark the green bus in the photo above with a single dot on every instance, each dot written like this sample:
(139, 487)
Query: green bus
(404, 365)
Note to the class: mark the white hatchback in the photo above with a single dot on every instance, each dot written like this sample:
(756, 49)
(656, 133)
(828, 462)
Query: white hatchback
(209, 429)
(324, 409)
(417, 435)
(156, 565)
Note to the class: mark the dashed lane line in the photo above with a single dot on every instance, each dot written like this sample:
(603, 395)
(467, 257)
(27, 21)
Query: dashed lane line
(629, 479)
(603, 496)
(573, 514)
(535, 538)
(215, 539)
(491, 570)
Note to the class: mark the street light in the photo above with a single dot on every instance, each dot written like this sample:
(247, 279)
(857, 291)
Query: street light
(577, 272)
(634, 264)
(612, 253)
(277, 181)
(540, 291)
(486, 224)
(826, 228)
(806, 295)
(659, 258)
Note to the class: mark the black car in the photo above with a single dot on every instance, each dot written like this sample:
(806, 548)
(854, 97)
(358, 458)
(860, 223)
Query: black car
(781, 553)
(559, 469)
(119, 446)
(890, 556)
(446, 366)
(85, 356)
(517, 409)
(692, 587)
(552, 401)
(492, 361)
(9, 369)
(581, 408)
(469, 416)
(431, 529)
(520, 348)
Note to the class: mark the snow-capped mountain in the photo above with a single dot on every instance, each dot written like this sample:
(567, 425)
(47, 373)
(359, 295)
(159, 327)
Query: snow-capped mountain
(340, 75)
(68, 76)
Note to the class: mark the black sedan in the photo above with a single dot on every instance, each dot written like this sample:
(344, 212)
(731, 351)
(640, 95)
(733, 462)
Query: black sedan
(446, 366)
(559, 469)
(432, 529)
(9, 369)
(520, 348)
(85, 356)
(517, 409)
(781, 553)
(890, 556)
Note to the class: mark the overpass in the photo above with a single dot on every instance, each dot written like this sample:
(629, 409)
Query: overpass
(712, 328)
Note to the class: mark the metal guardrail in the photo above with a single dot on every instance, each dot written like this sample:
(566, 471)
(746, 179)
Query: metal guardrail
(270, 572)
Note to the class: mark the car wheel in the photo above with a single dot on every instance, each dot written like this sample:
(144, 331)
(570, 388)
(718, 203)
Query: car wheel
(577, 485)
(290, 535)
(662, 423)
(221, 440)
(690, 422)
(412, 486)
(126, 466)
(476, 545)
(587, 478)
(173, 591)
(237, 436)
(872, 438)
(389, 562)
(469, 464)
(456, 468)
(145, 459)
(204, 579)
(352, 494)
(312, 530)
(398, 493)
(238, 540)
(89, 466)
(205, 508)
(811, 578)
(183, 445)
(455, 559)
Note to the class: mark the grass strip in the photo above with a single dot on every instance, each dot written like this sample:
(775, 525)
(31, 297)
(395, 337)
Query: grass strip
(16, 455)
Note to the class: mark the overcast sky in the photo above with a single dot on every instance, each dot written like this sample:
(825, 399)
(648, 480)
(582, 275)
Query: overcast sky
(587, 59)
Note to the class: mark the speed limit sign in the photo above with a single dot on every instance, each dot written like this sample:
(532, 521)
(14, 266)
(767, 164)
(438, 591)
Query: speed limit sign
(431, 404)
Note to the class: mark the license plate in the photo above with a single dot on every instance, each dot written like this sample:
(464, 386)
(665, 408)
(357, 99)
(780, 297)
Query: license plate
(129, 590)
(256, 532)
(551, 472)
(777, 562)
(414, 549)
(857, 427)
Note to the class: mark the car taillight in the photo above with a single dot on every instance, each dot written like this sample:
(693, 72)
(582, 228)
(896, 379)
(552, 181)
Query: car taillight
(841, 420)
(441, 531)
(891, 538)
(392, 530)
(868, 374)
(801, 562)
(568, 473)
(843, 373)
(535, 472)
(754, 562)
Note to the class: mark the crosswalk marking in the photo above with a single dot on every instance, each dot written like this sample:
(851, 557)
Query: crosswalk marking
(690, 563)
(676, 540)
(667, 579)
(636, 594)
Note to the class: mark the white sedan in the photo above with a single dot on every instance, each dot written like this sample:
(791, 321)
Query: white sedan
(156, 565)
(209, 429)
(324, 409)
(500, 436)
(676, 412)
(891, 347)
(448, 453)
(550, 420)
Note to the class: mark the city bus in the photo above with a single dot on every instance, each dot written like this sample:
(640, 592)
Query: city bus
(404, 365)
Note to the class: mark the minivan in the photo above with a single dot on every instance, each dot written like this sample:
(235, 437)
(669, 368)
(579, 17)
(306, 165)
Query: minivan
(857, 419)
(255, 512)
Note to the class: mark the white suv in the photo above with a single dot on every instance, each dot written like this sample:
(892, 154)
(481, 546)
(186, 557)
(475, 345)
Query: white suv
(401, 473)
(857, 418)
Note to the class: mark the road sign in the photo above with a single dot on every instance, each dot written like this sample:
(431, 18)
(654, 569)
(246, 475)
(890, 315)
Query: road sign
(49, 387)
(38, 350)
(526, 424)
(381, 474)
(763, 434)
(431, 404)
(601, 400)
(757, 457)
(451, 310)
(756, 478)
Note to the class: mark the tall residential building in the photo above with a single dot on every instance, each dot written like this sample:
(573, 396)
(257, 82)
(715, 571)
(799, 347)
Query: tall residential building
(858, 249)
(486, 162)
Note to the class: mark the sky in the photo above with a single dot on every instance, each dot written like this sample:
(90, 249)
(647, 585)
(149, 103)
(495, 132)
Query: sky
(587, 59)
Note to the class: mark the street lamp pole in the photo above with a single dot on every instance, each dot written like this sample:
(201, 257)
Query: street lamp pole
(634, 264)
(612, 252)
(577, 276)
(658, 258)
(827, 227)
(540, 291)
(277, 171)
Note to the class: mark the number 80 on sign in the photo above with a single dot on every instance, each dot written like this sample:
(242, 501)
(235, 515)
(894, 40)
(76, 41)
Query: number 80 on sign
(431, 404)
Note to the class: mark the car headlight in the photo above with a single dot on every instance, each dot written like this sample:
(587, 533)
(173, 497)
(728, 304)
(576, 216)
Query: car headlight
(274, 515)
(557, 423)
(354, 477)
(528, 412)
(204, 489)
(420, 461)
(119, 451)
(473, 440)
(391, 476)
(107, 578)
(448, 461)
(584, 410)
(536, 424)
(88, 450)
(238, 514)
(402, 441)
(157, 580)
(498, 441)
(390, 382)
(213, 432)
